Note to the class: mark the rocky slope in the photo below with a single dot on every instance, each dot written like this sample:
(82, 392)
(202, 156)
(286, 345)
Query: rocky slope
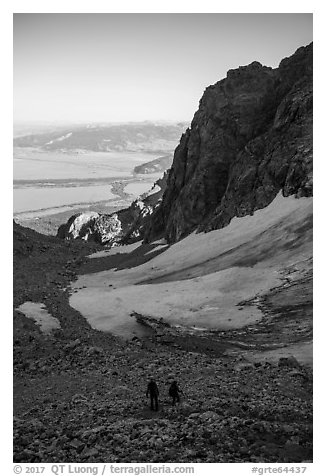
(250, 138)
(79, 394)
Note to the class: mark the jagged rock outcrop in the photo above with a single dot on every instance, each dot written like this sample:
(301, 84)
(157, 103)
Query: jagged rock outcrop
(142, 210)
(124, 226)
(78, 226)
(106, 228)
(91, 226)
(250, 138)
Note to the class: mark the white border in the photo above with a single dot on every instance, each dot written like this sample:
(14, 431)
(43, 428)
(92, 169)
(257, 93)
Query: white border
(167, 6)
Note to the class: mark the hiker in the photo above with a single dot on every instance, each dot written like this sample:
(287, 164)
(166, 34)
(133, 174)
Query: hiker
(152, 391)
(174, 392)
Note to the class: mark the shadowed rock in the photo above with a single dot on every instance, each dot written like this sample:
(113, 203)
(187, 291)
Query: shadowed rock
(250, 138)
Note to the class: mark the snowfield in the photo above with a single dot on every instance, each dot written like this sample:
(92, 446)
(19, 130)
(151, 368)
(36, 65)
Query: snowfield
(201, 280)
(59, 139)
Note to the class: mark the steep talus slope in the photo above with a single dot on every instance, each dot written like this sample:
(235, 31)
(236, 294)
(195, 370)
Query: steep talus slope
(79, 394)
(250, 138)
(27, 241)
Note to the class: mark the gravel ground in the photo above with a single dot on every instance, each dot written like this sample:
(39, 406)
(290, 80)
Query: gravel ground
(79, 394)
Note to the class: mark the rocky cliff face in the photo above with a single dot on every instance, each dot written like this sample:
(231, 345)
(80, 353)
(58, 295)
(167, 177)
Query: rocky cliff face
(250, 138)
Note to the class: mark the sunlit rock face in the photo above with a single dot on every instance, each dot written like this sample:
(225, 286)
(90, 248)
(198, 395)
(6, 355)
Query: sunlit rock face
(78, 226)
(106, 228)
(91, 226)
(250, 138)
(124, 226)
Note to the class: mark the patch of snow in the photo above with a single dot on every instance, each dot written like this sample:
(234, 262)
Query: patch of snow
(198, 281)
(303, 352)
(59, 139)
(154, 190)
(38, 312)
(177, 302)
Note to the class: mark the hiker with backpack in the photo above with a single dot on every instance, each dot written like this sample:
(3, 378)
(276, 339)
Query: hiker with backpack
(153, 393)
(174, 391)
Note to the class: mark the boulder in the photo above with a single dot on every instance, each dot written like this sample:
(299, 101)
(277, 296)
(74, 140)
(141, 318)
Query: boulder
(106, 228)
(209, 415)
(89, 452)
(290, 361)
(244, 366)
(77, 445)
(78, 226)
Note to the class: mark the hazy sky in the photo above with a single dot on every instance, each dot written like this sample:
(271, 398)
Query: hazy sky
(133, 67)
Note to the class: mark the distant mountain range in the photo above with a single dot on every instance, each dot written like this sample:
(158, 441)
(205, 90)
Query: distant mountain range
(132, 137)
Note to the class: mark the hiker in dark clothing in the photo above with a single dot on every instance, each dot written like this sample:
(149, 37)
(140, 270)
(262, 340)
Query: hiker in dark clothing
(174, 392)
(152, 391)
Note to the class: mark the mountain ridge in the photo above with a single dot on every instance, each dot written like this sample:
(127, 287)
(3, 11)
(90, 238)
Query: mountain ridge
(145, 137)
(250, 138)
